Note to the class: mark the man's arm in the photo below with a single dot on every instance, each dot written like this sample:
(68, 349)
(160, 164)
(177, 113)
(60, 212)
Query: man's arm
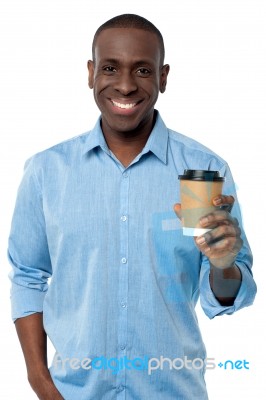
(221, 245)
(29, 255)
(33, 341)
(225, 284)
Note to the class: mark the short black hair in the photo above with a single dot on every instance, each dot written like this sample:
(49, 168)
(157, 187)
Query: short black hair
(130, 21)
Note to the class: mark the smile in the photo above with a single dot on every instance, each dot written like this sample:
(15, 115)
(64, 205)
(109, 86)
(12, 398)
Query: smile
(123, 105)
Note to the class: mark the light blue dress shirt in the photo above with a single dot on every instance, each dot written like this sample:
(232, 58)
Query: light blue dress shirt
(124, 281)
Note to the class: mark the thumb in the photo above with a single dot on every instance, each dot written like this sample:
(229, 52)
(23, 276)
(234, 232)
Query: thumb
(177, 210)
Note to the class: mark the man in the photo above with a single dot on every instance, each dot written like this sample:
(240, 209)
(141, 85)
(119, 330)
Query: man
(95, 214)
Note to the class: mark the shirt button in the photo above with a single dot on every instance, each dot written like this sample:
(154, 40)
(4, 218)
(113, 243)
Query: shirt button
(125, 175)
(123, 304)
(122, 347)
(119, 388)
(123, 218)
(123, 260)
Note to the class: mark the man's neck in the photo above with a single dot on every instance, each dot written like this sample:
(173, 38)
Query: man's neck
(127, 145)
(127, 150)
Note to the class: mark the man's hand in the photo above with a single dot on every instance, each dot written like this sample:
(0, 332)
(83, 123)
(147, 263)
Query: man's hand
(222, 244)
(33, 341)
(44, 387)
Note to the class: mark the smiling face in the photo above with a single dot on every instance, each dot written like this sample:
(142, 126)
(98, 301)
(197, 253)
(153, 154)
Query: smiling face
(127, 76)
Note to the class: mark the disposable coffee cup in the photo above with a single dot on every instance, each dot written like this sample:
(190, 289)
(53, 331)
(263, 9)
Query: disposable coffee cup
(197, 190)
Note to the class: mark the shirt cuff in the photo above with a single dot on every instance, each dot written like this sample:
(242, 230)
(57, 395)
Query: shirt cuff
(25, 301)
(244, 298)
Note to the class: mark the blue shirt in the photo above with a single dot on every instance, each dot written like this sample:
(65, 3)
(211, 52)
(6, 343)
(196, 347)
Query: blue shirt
(124, 281)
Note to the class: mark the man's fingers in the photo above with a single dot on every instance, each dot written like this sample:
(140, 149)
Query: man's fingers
(222, 231)
(216, 218)
(224, 202)
(223, 199)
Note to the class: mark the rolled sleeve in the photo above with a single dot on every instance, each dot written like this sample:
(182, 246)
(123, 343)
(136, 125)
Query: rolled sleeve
(28, 251)
(244, 298)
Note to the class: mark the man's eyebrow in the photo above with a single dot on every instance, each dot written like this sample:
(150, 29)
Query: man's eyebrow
(117, 61)
(110, 61)
(143, 62)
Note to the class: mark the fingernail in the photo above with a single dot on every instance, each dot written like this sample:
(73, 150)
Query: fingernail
(204, 220)
(217, 201)
(200, 240)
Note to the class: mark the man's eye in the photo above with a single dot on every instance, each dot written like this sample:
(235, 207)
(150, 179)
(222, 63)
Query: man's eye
(143, 72)
(109, 69)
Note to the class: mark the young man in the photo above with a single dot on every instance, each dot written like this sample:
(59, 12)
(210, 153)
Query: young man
(95, 214)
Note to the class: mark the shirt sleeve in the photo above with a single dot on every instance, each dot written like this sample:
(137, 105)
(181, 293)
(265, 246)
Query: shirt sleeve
(28, 250)
(247, 290)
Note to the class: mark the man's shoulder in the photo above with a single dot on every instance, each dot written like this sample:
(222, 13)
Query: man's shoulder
(186, 141)
(62, 150)
(69, 145)
(191, 147)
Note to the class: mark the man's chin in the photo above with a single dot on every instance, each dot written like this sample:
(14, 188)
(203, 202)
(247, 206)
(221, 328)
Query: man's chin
(126, 125)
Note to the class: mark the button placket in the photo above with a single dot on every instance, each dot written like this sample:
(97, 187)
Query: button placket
(123, 279)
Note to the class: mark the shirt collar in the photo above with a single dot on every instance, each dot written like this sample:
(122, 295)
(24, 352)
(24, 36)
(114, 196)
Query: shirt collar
(96, 138)
(157, 142)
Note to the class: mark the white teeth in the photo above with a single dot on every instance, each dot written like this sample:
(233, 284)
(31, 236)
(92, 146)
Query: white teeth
(126, 106)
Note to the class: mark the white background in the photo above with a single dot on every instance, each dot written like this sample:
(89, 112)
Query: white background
(216, 94)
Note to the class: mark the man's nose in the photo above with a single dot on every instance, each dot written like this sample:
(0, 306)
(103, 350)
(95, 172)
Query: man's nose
(125, 83)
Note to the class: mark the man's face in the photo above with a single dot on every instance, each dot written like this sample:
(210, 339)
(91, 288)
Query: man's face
(126, 77)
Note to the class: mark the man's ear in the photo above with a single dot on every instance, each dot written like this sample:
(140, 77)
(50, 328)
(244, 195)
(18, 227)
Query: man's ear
(163, 78)
(90, 66)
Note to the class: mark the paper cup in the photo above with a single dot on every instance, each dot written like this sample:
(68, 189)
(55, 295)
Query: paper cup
(197, 190)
